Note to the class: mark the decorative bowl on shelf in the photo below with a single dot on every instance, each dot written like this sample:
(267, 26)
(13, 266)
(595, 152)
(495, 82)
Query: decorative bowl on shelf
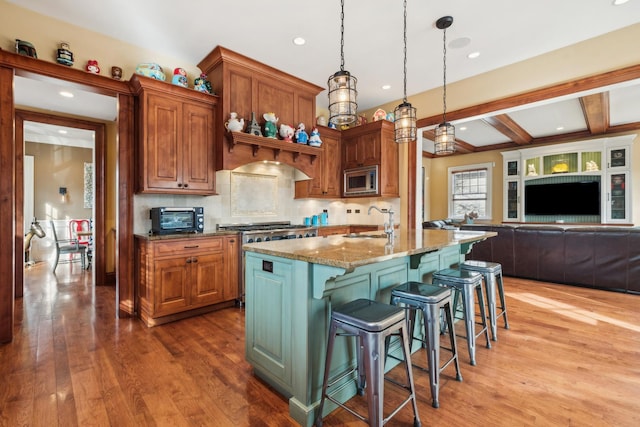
(560, 166)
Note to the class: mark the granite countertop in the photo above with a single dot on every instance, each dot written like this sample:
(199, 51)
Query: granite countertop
(351, 252)
(154, 237)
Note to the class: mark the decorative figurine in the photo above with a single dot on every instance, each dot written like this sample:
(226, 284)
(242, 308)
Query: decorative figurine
(362, 120)
(233, 124)
(314, 138)
(301, 135)
(390, 116)
(321, 121)
(92, 66)
(331, 125)
(25, 48)
(531, 170)
(152, 70)
(179, 77)
(65, 56)
(379, 114)
(286, 132)
(270, 126)
(201, 84)
(116, 73)
(254, 127)
(592, 166)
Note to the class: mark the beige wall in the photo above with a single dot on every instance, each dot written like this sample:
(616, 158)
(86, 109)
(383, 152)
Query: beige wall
(58, 166)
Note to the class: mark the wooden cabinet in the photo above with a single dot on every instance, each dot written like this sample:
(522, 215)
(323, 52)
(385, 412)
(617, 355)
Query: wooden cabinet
(185, 276)
(373, 144)
(247, 86)
(326, 183)
(176, 139)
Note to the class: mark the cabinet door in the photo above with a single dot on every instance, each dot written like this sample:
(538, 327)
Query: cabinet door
(198, 156)
(350, 153)
(331, 166)
(389, 168)
(207, 276)
(618, 157)
(171, 283)
(618, 197)
(231, 288)
(163, 147)
(511, 200)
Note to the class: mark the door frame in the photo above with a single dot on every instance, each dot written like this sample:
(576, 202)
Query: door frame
(99, 150)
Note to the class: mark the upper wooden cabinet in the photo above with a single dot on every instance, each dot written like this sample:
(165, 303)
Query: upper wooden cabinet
(373, 144)
(246, 86)
(176, 138)
(326, 183)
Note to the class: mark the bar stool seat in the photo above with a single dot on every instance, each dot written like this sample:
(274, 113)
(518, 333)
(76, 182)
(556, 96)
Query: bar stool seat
(464, 283)
(430, 300)
(371, 323)
(492, 273)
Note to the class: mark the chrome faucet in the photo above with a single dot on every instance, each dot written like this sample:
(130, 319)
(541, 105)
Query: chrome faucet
(389, 227)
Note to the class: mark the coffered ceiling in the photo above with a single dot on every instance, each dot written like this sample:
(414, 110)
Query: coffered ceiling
(502, 31)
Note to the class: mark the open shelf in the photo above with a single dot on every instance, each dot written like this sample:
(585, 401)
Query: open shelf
(260, 142)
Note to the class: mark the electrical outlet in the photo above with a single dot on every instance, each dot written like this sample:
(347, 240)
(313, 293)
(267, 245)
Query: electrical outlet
(348, 211)
(357, 210)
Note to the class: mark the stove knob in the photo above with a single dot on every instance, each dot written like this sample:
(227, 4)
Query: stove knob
(266, 239)
(300, 236)
(250, 240)
(312, 234)
(259, 239)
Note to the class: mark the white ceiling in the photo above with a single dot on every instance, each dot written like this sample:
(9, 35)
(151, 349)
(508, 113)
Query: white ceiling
(503, 31)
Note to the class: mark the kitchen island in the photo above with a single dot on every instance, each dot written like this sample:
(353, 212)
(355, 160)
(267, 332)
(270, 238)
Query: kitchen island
(291, 286)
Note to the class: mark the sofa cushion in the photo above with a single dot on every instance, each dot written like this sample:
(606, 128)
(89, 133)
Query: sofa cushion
(578, 256)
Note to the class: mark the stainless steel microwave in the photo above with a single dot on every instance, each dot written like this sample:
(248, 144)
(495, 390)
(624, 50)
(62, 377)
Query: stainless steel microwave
(361, 181)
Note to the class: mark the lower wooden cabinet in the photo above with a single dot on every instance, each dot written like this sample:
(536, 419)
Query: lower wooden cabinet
(185, 276)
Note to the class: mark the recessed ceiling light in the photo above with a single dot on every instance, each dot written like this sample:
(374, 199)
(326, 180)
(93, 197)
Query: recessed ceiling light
(386, 87)
(66, 94)
(459, 43)
(462, 128)
(299, 41)
(560, 128)
(619, 2)
(62, 131)
(473, 55)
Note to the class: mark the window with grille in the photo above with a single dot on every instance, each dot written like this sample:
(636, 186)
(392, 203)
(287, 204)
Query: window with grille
(470, 191)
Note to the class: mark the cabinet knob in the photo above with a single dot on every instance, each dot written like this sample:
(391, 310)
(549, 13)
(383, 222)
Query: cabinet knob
(188, 260)
(232, 240)
(185, 185)
(194, 260)
(179, 184)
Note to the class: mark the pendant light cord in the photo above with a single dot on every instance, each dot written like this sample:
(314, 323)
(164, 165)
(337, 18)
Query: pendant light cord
(444, 69)
(405, 51)
(342, 35)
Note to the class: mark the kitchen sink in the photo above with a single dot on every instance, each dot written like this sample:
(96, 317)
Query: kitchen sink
(365, 236)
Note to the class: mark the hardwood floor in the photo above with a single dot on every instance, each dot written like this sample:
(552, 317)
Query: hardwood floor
(571, 358)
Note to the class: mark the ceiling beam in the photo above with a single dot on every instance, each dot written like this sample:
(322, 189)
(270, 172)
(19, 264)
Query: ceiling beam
(562, 89)
(508, 127)
(596, 112)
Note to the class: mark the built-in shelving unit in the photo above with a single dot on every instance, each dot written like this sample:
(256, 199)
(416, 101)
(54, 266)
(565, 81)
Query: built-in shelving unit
(605, 160)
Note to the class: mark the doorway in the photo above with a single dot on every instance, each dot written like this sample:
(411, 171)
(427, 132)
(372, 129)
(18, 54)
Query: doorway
(25, 118)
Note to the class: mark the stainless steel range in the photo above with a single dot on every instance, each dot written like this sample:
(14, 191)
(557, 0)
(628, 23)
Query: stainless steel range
(265, 232)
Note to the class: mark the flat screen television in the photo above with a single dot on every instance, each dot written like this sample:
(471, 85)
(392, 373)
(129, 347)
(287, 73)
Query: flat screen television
(567, 198)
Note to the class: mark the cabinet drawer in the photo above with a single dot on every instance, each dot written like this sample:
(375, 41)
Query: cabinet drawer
(188, 247)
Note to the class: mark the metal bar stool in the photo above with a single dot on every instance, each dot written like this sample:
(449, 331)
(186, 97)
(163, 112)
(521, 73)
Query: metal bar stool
(465, 282)
(492, 273)
(430, 300)
(371, 323)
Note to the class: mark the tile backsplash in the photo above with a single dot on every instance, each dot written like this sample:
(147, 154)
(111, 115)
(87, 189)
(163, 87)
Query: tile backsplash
(262, 192)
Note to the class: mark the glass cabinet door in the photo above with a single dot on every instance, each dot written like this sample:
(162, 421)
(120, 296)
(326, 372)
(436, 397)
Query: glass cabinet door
(618, 206)
(618, 157)
(512, 200)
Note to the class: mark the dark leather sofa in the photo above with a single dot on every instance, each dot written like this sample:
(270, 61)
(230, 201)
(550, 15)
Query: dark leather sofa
(596, 257)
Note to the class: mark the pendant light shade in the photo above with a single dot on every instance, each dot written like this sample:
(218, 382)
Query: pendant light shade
(405, 113)
(445, 140)
(343, 104)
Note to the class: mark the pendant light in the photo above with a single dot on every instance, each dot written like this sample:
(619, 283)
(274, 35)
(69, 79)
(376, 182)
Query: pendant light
(405, 114)
(342, 88)
(445, 141)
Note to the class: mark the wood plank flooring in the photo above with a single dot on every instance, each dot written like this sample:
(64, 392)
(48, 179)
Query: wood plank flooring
(571, 358)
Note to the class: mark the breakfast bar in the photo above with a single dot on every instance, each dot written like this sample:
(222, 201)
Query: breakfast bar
(291, 286)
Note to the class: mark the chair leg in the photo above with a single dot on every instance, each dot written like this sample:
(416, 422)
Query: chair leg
(55, 265)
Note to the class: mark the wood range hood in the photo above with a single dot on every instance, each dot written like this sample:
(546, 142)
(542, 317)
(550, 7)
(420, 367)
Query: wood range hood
(247, 87)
